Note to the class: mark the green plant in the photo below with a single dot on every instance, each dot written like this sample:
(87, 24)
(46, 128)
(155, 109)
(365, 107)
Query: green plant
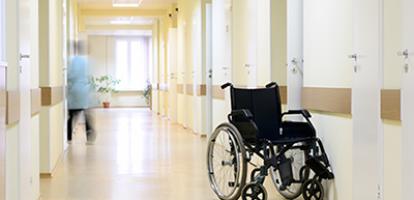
(147, 92)
(104, 85)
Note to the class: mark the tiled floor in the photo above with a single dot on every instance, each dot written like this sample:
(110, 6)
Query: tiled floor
(137, 156)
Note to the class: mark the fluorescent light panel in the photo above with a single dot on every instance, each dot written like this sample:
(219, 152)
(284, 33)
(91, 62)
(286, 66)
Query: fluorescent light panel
(126, 4)
(120, 22)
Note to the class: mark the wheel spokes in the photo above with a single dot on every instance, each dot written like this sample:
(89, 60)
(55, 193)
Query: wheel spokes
(225, 167)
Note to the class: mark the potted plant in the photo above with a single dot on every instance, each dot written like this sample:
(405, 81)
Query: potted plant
(147, 93)
(105, 86)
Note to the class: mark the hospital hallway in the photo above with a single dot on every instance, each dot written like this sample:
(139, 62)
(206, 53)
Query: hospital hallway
(136, 156)
(206, 99)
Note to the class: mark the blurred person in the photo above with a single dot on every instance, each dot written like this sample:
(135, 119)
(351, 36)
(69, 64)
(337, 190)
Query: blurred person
(79, 91)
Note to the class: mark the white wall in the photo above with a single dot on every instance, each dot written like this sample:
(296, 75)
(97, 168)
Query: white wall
(155, 69)
(35, 127)
(51, 137)
(35, 120)
(51, 75)
(12, 139)
(278, 41)
(392, 80)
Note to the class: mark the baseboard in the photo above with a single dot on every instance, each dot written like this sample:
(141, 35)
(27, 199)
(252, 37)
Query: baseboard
(50, 174)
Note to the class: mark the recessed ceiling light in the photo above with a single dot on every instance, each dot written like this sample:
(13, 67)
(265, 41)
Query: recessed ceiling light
(118, 22)
(126, 3)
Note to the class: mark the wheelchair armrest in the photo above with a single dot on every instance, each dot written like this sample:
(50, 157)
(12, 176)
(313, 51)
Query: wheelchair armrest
(304, 113)
(241, 113)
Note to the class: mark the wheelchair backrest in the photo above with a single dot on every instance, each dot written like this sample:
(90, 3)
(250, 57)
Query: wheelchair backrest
(264, 104)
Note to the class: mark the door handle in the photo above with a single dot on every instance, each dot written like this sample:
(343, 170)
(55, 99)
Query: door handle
(296, 65)
(403, 53)
(24, 56)
(353, 56)
(294, 61)
(406, 54)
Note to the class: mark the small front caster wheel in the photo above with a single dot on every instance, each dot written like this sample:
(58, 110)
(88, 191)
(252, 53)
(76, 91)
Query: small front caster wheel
(312, 190)
(254, 191)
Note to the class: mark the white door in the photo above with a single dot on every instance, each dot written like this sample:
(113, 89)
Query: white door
(367, 79)
(407, 107)
(251, 29)
(245, 29)
(65, 18)
(209, 69)
(172, 74)
(295, 53)
(196, 79)
(221, 55)
(24, 20)
(3, 66)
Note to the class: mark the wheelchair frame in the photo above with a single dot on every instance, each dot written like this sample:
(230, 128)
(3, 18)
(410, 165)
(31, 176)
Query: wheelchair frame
(312, 148)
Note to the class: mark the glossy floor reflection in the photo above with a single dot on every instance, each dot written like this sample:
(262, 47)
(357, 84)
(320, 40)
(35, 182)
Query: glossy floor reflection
(136, 156)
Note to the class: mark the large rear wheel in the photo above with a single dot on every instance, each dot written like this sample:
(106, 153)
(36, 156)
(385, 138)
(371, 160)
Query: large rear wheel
(226, 163)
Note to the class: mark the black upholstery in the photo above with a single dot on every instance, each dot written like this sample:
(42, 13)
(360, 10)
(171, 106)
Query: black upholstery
(298, 129)
(266, 120)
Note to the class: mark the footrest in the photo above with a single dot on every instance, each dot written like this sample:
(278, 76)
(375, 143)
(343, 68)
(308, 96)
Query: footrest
(319, 168)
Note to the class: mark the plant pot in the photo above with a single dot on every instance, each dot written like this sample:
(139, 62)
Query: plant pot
(106, 104)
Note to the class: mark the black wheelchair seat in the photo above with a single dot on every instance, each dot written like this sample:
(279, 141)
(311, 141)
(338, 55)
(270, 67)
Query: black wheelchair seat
(298, 129)
(257, 114)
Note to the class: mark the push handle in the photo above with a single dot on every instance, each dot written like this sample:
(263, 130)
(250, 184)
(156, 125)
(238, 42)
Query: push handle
(224, 86)
(272, 84)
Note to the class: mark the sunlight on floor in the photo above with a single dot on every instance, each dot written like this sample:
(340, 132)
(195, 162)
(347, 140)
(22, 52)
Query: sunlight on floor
(136, 156)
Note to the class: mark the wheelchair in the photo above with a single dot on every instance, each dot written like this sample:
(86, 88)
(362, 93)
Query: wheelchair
(291, 153)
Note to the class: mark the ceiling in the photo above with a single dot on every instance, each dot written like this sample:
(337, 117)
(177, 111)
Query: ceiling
(146, 4)
(110, 20)
(120, 25)
(121, 32)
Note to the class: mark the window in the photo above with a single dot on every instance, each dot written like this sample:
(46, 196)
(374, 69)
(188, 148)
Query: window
(132, 62)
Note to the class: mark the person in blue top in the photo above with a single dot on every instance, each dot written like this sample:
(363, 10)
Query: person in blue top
(79, 92)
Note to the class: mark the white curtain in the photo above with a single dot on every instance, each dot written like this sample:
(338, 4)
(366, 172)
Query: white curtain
(131, 63)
